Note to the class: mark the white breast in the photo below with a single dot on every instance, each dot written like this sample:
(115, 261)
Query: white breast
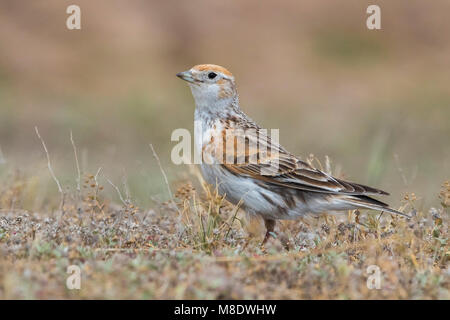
(204, 133)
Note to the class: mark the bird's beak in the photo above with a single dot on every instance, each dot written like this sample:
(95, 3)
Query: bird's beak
(186, 75)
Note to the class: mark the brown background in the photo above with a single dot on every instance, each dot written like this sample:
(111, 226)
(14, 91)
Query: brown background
(376, 102)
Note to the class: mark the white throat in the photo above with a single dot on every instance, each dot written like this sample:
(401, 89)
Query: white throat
(209, 97)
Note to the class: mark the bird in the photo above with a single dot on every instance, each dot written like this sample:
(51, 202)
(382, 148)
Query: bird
(259, 174)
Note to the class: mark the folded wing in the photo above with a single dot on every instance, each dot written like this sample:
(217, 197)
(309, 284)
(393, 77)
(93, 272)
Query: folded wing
(261, 159)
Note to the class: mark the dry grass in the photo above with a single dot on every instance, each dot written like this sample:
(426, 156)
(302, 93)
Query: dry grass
(205, 248)
(377, 101)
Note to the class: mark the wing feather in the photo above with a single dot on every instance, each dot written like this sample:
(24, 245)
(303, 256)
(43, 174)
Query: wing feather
(271, 163)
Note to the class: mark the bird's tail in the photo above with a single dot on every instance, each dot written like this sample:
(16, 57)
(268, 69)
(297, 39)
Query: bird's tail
(366, 202)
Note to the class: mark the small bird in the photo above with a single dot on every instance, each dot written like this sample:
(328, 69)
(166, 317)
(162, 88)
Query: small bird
(260, 174)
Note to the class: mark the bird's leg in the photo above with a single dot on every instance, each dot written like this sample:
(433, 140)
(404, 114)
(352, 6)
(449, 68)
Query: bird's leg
(270, 226)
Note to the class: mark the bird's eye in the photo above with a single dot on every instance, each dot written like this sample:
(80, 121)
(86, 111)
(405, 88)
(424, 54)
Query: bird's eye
(212, 75)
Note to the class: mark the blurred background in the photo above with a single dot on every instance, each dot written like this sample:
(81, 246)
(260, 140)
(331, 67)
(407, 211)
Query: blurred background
(376, 102)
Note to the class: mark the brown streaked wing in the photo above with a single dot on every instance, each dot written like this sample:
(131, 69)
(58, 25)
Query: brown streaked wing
(291, 172)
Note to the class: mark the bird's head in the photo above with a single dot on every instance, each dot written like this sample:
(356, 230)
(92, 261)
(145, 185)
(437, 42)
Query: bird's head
(210, 84)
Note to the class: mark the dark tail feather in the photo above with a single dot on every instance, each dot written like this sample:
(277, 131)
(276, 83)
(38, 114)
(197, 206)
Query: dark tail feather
(360, 188)
(370, 203)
